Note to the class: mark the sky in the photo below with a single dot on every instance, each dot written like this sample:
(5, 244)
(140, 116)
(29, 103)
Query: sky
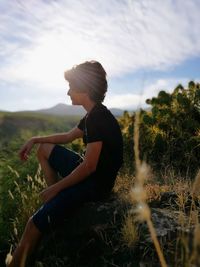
(144, 45)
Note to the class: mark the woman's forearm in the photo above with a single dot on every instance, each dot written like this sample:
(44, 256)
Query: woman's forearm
(78, 175)
(61, 138)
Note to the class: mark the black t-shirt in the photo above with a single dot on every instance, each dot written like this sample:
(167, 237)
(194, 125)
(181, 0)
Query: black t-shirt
(100, 125)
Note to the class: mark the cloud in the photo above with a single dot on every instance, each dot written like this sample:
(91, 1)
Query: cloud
(40, 39)
(13, 98)
(138, 100)
(36, 99)
(125, 35)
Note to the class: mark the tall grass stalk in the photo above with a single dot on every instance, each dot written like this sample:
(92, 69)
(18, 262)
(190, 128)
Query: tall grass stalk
(143, 210)
(196, 236)
(8, 257)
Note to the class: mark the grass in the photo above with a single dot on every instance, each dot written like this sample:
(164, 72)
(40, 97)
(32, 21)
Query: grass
(187, 195)
(181, 251)
(122, 239)
(129, 231)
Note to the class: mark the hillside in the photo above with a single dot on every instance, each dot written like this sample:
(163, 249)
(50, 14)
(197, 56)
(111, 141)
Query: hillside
(113, 233)
(63, 110)
(13, 124)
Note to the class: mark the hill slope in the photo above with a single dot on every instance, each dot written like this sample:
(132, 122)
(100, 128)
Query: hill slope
(63, 110)
(12, 124)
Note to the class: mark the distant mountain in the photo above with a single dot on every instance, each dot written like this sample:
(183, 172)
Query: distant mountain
(116, 111)
(64, 110)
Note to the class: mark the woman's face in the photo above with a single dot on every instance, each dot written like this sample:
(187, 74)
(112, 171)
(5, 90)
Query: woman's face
(75, 94)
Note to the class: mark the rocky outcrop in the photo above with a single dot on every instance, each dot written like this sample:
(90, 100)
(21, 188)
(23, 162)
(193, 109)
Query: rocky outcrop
(92, 237)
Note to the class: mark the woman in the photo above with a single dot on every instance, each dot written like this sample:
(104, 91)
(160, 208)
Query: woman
(90, 178)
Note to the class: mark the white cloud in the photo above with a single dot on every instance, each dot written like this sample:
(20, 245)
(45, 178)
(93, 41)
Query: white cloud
(124, 101)
(124, 35)
(134, 101)
(37, 99)
(40, 39)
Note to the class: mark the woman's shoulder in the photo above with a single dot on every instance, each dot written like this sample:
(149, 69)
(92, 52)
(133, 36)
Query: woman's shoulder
(99, 109)
(101, 115)
(99, 112)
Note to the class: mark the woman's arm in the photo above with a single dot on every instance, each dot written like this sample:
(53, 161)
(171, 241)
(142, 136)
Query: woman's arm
(60, 138)
(87, 167)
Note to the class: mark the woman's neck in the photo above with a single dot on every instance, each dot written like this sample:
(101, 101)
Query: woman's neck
(88, 105)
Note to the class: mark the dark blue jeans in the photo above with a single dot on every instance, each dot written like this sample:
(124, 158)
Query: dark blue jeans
(64, 161)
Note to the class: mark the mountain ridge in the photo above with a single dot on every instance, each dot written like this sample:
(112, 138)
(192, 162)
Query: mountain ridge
(62, 109)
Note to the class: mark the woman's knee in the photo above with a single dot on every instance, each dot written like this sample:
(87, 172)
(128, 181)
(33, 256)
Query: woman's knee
(44, 150)
(30, 226)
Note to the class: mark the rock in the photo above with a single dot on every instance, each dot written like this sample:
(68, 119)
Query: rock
(91, 237)
(164, 222)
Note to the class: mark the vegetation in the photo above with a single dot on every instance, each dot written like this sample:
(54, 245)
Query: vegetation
(169, 132)
(169, 141)
(21, 182)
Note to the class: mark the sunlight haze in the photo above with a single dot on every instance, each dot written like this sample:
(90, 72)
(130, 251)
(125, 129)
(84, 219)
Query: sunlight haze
(145, 46)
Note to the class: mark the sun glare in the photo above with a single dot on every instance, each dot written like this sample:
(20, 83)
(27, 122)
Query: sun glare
(48, 59)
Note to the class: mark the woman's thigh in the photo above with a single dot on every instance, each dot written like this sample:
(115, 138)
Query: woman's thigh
(63, 205)
(64, 160)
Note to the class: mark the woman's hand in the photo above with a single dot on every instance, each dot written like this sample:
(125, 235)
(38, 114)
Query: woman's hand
(49, 193)
(26, 149)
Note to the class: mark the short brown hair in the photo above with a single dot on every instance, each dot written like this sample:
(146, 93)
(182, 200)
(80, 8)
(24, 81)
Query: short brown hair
(89, 77)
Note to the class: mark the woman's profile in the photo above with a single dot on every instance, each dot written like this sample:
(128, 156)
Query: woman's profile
(73, 179)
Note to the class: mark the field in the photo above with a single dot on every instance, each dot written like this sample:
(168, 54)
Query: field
(152, 217)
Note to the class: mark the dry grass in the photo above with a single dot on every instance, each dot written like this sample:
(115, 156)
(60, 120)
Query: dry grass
(139, 194)
(139, 189)
(145, 190)
(185, 209)
(129, 231)
(25, 195)
(154, 191)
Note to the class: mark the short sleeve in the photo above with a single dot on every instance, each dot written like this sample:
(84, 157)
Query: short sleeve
(81, 124)
(93, 128)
